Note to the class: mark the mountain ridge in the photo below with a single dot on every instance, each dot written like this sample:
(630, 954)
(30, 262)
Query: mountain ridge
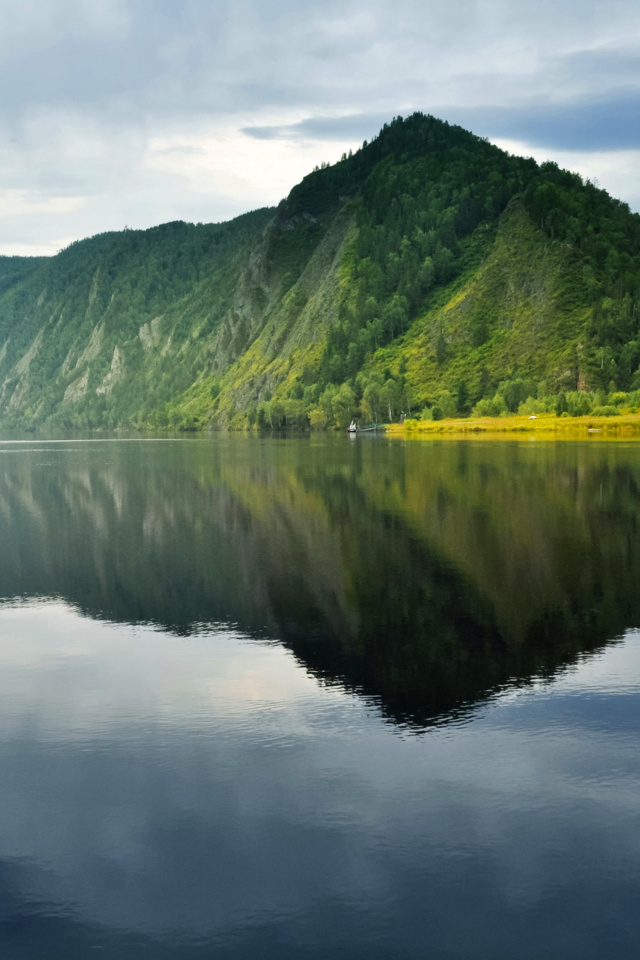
(425, 271)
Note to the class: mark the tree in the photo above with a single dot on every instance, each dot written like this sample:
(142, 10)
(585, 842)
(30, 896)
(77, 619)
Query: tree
(391, 396)
(463, 404)
(344, 404)
(325, 403)
(372, 401)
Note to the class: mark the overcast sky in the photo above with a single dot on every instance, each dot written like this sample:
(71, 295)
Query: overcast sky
(135, 112)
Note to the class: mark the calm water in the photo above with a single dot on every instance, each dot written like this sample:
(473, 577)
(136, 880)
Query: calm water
(316, 698)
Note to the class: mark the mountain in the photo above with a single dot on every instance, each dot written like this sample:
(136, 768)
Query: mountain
(429, 267)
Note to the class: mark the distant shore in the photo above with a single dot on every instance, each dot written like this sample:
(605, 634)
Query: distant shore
(549, 425)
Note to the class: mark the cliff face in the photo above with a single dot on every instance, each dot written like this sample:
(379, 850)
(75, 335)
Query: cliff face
(428, 260)
(117, 325)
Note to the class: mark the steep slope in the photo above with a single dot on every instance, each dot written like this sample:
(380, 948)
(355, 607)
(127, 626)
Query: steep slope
(463, 268)
(119, 323)
(428, 261)
(522, 309)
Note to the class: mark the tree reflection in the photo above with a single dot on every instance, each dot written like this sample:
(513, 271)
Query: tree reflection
(425, 576)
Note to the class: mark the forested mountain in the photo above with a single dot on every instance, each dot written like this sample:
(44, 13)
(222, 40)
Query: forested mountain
(428, 270)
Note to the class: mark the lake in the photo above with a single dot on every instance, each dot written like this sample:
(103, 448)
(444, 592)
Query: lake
(310, 698)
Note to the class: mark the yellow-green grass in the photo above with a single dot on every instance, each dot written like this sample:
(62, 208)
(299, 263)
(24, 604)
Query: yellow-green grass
(549, 425)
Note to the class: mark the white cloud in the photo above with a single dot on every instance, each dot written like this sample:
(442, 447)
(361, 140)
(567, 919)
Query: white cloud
(249, 172)
(617, 172)
(15, 203)
(101, 97)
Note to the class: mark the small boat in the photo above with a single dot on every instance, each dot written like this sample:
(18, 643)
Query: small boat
(353, 428)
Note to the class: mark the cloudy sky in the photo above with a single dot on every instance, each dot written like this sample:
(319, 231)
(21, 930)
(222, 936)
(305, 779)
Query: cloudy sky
(135, 112)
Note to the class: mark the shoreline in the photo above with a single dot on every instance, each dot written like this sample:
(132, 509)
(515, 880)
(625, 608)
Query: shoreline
(626, 426)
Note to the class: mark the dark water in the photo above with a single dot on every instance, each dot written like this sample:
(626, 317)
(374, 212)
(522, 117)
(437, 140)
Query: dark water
(312, 698)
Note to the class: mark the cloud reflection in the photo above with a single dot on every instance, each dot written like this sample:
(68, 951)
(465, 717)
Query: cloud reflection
(204, 792)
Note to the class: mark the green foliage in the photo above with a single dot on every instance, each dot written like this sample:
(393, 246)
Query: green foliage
(578, 403)
(536, 405)
(490, 407)
(467, 277)
(372, 403)
(447, 404)
(15, 269)
(418, 208)
(344, 406)
(112, 330)
(515, 392)
(463, 399)
(605, 411)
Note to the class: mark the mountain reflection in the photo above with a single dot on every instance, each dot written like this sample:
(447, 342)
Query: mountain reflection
(422, 575)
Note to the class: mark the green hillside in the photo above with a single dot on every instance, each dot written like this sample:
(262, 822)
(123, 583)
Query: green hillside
(425, 272)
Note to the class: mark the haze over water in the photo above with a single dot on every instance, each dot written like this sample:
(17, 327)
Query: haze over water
(309, 698)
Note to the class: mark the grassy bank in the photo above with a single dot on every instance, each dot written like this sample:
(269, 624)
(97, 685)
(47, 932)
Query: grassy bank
(548, 425)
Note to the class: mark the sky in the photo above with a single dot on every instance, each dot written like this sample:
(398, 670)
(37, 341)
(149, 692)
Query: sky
(130, 113)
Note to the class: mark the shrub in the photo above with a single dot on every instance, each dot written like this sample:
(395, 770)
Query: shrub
(296, 416)
(578, 403)
(531, 405)
(607, 411)
(317, 419)
(447, 404)
(436, 412)
(516, 392)
(490, 407)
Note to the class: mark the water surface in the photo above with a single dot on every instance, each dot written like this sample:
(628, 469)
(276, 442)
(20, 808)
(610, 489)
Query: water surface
(309, 697)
